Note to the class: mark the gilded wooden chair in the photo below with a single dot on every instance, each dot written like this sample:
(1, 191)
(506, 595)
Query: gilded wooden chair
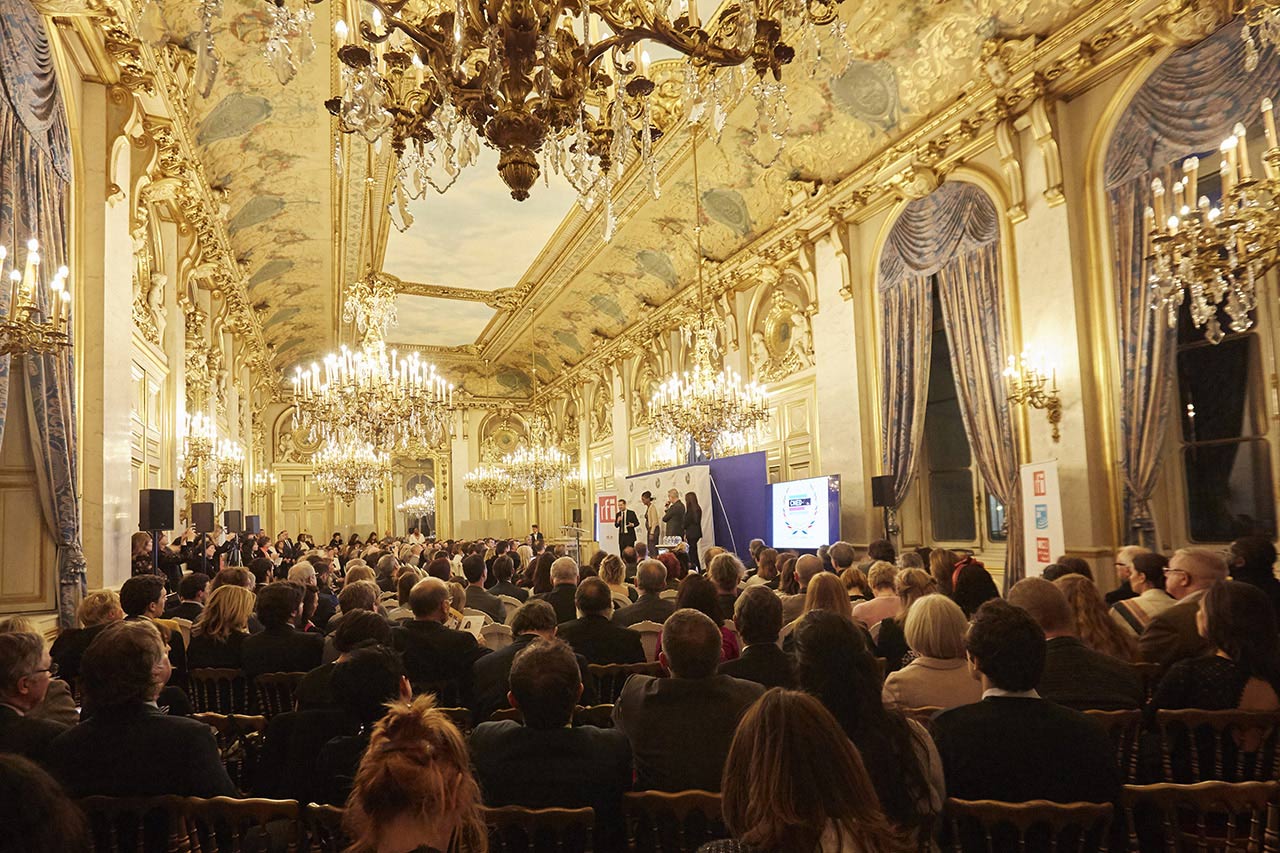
(231, 825)
(1228, 746)
(610, 677)
(323, 828)
(515, 829)
(998, 827)
(135, 824)
(1207, 817)
(239, 743)
(1124, 728)
(275, 691)
(593, 715)
(222, 691)
(679, 822)
(461, 717)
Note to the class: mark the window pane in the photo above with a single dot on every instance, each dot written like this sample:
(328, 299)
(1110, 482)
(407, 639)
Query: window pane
(1218, 400)
(1229, 490)
(945, 442)
(995, 520)
(951, 506)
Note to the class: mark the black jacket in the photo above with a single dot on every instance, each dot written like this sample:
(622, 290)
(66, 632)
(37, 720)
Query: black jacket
(281, 649)
(490, 679)
(627, 525)
(27, 737)
(649, 607)
(189, 610)
(763, 663)
(600, 641)
(1080, 678)
(433, 654)
(69, 648)
(206, 652)
(673, 520)
(561, 598)
(508, 588)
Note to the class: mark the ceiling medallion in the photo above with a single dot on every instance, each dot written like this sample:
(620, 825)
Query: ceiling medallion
(555, 85)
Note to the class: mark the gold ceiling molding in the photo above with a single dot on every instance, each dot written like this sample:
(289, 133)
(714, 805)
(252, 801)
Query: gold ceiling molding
(1017, 73)
(502, 299)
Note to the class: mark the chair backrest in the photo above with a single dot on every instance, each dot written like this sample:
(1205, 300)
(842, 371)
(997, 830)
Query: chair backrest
(471, 611)
(239, 743)
(610, 677)
(682, 821)
(923, 715)
(1149, 675)
(620, 600)
(786, 631)
(275, 691)
(600, 716)
(511, 603)
(515, 829)
(1222, 817)
(184, 628)
(496, 636)
(324, 829)
(1229, 746)
(507, 714)
(650, 631)
(996, 826)
(222, 691)
(134, 824)
(1124, 728)
(241, 826)
(461, 717)
(669, 594)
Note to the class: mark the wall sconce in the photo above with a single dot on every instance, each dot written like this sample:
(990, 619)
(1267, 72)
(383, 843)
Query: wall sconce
(1033, 383)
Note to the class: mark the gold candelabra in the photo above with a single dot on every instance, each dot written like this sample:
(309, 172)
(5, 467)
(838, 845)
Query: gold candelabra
(538, 463)
(26, 328)
(228, 467)
(264, 487)
(422, 502)
(199, 438)
(1034, 384)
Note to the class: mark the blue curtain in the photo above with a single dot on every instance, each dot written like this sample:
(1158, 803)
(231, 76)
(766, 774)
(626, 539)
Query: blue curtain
(34, 190)
(953, 233)
(1188, 105)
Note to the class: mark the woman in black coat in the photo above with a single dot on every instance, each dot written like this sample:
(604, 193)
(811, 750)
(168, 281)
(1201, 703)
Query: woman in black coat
(692, 528)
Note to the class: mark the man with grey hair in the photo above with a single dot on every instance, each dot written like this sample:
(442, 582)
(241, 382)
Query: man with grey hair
(303, 573)
(25, 672)
(680, 727)
(754, 547)
(533, 620)
(808, 567)
(651, 580)
(1074, 675)
(1173, 636)
(436, 657)
(564, 583)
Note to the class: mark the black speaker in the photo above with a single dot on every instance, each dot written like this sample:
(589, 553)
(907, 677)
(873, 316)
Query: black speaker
(253, 524)
(233, 520)
(577, 516)
(202, 517)
(155, 509)
(882, 491)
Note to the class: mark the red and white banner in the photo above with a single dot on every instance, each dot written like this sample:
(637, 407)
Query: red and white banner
(1041, 516)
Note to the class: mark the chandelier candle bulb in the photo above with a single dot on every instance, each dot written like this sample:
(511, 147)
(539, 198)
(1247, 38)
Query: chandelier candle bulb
(1242, 146)
(1157, 199)
(1231, 161)
(1268, 123)
(1178, 202)
(1191, 175)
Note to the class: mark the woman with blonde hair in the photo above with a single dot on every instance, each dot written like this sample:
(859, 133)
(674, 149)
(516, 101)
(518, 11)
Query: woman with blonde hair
(413, 791)
(1094, 625)
(613, 572)
(218, 634)
(938, 676)
(794, 782)
(891, 641)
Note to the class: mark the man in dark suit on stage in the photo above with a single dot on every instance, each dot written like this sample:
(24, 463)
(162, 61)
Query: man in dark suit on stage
(673, 517)
(595, 637)
(626, 522)
(536, 538)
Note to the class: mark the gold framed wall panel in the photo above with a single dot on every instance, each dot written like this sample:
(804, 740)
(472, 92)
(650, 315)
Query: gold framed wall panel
(28, 554)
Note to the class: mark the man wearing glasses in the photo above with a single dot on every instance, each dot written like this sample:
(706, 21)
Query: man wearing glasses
(25, 672)
(1173, 636)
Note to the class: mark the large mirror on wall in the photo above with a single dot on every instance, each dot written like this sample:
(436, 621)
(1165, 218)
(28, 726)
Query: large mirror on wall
(416, 508)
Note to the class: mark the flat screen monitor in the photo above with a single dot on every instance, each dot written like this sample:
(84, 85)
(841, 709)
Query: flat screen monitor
(806, 513)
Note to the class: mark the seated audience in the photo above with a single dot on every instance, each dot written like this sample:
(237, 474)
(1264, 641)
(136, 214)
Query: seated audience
(942, 565)
(477, 597)
(766, 573)
(826, 592)
(360, 629)
(547, 761)
(650, 606)
(1094, 626)
(787, 741)
(680, 727)
(891, 640)
(806, 568)
(217, 638)
(885, 604)
(1072, 566)
(835, 665)
(972, 586)
(503, 571)
(593, 635)
(404, 586)
(142, 599)
(414, 787)
(25, 672)
(856, 584)
(363, 683)
(191, 596)
(726, 572)
(36, 815)
(758, 617)
(1146, 580)
(126, 746)
(1074, 674)
(355, 596)
(1013, 745)
(436, 657)
(58, 706)
(280, 647)
(564, 583)
(698, 593)
(96, 611)
(1172, 636)
(1124, 570)
(613, 571)
(938, 676)
(1252, 560)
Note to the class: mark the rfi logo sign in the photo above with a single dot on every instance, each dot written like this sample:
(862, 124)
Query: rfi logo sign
(1037, 484)
(1042, 550)
(607, 508)
(1042, 516)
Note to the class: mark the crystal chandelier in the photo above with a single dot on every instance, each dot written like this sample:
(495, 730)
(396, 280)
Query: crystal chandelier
(26, 328)
(705, 404)
(199, 437)
(1216, 255)
(349, 467)
(562, 81)
(371, 305)
(1262, 17)
(422, 502)
(538, 463)
(488, 481)
(229, 461)
(288, 42)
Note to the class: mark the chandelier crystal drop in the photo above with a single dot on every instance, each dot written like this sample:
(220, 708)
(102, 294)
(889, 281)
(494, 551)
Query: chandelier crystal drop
(287, 45)
(489, 481)
(1216, 256)
(1261, 18)
(371, 305)
(30, 325)
(348, 467)
(538, 463)
(559, 85)
(422, 502)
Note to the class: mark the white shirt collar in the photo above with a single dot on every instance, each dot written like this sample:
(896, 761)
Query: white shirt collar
(1010, 694)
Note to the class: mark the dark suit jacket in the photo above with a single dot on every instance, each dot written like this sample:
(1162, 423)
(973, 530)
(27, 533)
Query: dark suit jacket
(1173, 636)
(627, 526)
(763, 663)
(135, 750)
(680, 728)
(1080, 678)
(508, 588)
(281, 649)
(189, 610)
(25, 736)
(69, 648)
(1120, 593)
(600, 641)
(1014, 749)
(486, 602)
(673, 522)
(649, 607)
(206, 652)
(561, 598)
(434, 653)
(491, 674)
(568, 767)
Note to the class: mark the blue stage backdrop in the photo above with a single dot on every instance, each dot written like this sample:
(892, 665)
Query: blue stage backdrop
(740, 499)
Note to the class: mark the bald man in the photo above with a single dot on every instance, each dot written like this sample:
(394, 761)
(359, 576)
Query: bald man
(436, 657)
(564, 580)
(1173, 636)
(808, 567)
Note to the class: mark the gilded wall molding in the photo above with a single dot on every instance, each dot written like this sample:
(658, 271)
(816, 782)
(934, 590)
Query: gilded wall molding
(502, 299)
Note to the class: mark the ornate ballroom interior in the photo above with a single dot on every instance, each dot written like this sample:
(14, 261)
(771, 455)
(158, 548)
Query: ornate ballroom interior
(904, 240)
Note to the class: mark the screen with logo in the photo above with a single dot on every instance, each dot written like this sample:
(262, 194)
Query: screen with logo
(802, 512)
